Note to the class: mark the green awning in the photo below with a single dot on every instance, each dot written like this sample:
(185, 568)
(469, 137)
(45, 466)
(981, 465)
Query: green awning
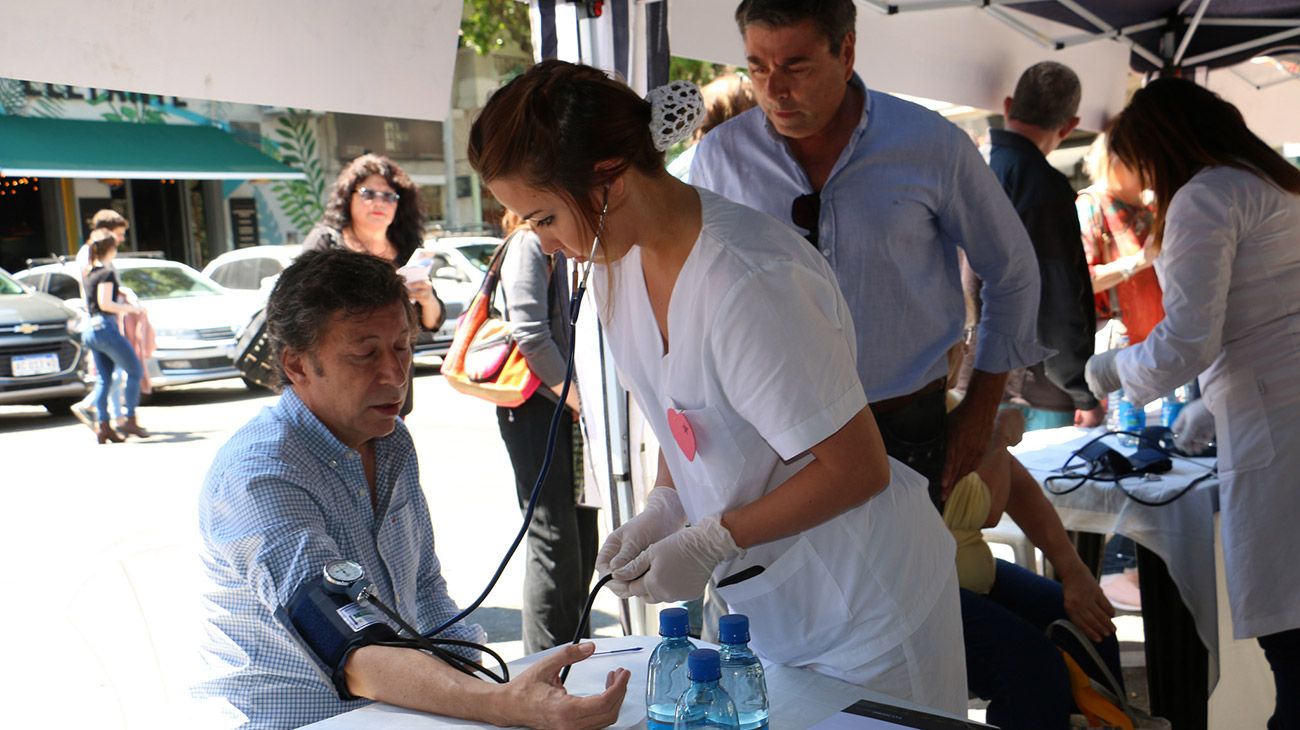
(40, 147)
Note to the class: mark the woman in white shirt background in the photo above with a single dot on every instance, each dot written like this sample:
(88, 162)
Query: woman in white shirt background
(732, 335)
(1228, 220)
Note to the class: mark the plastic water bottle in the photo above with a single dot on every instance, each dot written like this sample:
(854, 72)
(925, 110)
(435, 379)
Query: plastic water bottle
(668, 669)
(1173, 404)
(705, 703)
(742, 672)
(1121, 414)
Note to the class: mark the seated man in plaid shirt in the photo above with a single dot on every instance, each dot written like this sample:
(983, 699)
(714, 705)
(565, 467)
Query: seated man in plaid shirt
(330, 473)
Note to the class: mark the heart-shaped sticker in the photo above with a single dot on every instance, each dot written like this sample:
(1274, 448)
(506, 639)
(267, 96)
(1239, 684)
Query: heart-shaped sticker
(683, 434)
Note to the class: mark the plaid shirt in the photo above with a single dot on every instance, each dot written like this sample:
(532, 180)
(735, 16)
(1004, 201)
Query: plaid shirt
(283, 497)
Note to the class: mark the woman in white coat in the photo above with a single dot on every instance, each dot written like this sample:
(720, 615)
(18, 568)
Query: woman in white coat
(1228, 216)
(732, 335)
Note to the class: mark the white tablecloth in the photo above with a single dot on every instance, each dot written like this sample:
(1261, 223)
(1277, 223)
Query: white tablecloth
(1181, 533)
(799, 697)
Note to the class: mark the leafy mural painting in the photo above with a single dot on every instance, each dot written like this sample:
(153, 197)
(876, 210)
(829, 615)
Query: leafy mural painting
(303, 201)
(137, 110)
(15, 101)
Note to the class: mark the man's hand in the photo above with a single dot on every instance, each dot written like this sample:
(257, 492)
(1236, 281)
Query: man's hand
(968, 439)
(662, 516)
(1090, 419)
(677, 567)
(1086, 606)
(538, 699)
(1102, 374)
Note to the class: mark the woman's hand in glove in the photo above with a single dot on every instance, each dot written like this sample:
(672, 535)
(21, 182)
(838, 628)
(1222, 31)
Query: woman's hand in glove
(663, 515)
(1102, 374)
(1194, 428)
(677, 567)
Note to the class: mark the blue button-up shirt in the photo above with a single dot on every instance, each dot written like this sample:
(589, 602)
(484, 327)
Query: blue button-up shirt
(908, 190)
(283, 497)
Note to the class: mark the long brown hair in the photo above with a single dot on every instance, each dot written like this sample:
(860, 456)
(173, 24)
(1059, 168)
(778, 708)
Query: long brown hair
(1173, 129)
(566, 129)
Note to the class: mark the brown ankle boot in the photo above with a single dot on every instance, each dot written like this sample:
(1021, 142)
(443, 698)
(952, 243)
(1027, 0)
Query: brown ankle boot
(106, 434)
(131, 428)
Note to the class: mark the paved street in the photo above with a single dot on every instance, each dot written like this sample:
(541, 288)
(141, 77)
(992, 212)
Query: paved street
(101, 542)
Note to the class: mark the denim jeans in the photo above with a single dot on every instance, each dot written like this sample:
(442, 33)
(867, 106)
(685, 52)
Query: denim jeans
(1010, 661)
(111, 351)
(917, 435)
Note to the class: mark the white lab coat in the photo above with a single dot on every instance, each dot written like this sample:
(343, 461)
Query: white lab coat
(762, 364)
(1230, 270)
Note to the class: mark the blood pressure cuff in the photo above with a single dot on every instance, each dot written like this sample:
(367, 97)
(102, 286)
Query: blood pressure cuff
(329, 628)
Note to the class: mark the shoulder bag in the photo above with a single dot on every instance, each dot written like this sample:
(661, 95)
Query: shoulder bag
(484, 359)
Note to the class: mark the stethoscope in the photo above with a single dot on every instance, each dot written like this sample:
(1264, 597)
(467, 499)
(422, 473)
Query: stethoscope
(575, 307)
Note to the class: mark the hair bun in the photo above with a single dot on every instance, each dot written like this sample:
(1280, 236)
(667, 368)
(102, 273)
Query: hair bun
(676, 109)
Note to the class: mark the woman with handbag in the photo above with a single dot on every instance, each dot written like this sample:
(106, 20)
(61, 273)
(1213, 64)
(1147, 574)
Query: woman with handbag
(533, 296)
(375, 209)
(732, 334)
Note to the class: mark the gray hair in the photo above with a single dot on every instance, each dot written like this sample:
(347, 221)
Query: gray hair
(1046, 96)
(834, 18)
(320, 283)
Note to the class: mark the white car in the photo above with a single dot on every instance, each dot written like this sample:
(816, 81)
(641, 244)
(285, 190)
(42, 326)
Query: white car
(196, 320)
(253, 268)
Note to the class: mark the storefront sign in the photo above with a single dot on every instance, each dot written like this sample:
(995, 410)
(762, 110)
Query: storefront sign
(34, 89)
(400, 139)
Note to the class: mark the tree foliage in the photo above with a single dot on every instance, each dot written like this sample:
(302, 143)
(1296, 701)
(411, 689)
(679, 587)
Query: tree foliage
(701, 72)
(487, 25)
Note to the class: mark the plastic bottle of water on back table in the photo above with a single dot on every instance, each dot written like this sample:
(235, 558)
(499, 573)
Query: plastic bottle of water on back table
(668, 669)
(1121, 414)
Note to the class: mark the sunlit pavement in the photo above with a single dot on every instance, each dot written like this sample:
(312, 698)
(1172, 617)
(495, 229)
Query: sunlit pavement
(102, 545)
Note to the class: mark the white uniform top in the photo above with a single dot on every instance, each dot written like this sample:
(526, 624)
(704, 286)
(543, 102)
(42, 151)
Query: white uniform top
(762, 364)
(1230, 270)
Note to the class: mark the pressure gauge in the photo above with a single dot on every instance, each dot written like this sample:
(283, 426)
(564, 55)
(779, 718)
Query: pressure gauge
(346, 577)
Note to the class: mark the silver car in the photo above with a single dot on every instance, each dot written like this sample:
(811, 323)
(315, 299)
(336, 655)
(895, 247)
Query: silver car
(41, 357)
(196, 320)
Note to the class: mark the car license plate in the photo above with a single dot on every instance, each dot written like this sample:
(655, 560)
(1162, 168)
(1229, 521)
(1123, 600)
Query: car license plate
(40, 364)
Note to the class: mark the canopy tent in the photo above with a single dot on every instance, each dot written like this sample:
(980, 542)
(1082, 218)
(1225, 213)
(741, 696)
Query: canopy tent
(972, 51)
(38, 147)
(387, 58)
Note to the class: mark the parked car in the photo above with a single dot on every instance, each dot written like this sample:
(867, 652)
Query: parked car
(42, 361)
(458, 272)
(252, 268)
(197, 321)
(455, 275)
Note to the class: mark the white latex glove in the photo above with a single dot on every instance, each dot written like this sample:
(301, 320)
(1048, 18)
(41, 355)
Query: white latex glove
(677, 567)
(663, 515)
(1194, 428)
(1102, 374)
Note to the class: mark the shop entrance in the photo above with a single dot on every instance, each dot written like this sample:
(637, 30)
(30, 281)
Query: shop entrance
(158, 220)
(22, 224)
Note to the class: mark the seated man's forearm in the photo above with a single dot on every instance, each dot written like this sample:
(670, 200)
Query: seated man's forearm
(413, 679)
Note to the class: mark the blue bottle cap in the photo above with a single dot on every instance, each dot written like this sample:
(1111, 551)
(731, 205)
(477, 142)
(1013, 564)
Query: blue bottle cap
(704, 665)
(733, 629)
(674, 622)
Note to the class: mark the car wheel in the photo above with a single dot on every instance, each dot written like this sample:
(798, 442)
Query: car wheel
(61, 407)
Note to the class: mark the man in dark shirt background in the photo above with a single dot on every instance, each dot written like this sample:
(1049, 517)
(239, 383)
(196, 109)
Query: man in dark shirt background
(1039, 116)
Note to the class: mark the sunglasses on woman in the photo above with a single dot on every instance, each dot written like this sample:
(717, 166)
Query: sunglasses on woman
(386, 196)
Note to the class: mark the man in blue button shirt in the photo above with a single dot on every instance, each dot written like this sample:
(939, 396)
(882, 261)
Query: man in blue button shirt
(330, 473)
(892, 194)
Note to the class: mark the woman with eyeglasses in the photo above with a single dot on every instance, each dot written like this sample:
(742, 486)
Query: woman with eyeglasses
(1228, 225)
(732, 334)
(375, 209)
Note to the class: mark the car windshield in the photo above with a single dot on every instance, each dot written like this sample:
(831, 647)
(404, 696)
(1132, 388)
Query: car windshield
(9, 286)
(165, 282)
(480, 254)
